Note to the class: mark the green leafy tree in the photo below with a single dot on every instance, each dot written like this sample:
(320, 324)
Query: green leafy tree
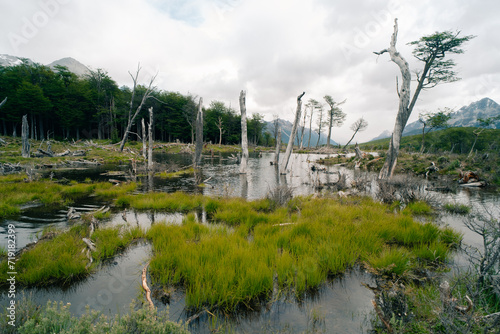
(484, 123)
(433, 121)
(336, 116)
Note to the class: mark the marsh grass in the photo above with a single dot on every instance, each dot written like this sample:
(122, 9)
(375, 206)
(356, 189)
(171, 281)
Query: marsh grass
(233, 261)
(58, 258)
(172, 202)
(460, 209)
(176, 174)
(14, 192)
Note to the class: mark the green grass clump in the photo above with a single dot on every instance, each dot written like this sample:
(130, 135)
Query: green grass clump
(60, 258)
(57, 260)
(14, 192)
(234, 262)
(460, 209)
(419, 208)
(177, 174)
(174, 202)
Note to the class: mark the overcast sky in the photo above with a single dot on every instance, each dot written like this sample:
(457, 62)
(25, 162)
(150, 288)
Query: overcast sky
(273, 49)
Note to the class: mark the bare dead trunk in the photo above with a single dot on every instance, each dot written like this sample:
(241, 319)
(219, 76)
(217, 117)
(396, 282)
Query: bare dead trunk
(244, 135)
(403, 111)
(301, 142)
(3, 102)
(289, 147)
(199, 135)
(143, 139)
(150, 135)
(330, 125)
(278, 146)
(146, 96)
(24, 136)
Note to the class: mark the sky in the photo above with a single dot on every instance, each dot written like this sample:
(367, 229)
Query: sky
(272, 49)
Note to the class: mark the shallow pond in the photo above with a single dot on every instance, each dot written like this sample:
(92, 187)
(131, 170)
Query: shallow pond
(341, 305)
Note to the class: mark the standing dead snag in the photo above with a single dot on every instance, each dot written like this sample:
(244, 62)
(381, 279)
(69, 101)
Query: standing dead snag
(150, 135)
(147, 94)
(431, 50)
(24, 136)
(278, 147)
(244, 135)
(289, 147)
(199, 135)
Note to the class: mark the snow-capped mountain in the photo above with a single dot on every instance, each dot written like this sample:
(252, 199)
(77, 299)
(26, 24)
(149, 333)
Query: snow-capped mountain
(71, 64)
(464, 117)
(8, 60)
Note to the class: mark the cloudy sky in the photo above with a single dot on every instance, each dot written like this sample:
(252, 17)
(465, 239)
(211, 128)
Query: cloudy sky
(273, 49)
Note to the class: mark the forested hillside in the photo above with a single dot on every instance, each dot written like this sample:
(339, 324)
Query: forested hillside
(62, 105)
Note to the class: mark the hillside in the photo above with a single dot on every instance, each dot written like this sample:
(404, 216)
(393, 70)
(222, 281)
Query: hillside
(464, 117)
(456, 140)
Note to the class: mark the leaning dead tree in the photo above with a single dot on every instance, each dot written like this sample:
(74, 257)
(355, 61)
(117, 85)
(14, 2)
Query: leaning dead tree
(199, 135)
(24, 135)
(431, 50)
(147, 94)
(244, 135)
(3, 102)
(289, 147)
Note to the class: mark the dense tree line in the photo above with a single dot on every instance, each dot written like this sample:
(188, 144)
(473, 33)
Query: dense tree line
(62, 105)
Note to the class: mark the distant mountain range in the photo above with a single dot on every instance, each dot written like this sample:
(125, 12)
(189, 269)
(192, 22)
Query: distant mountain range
(71, 64)
(464, 117)
(286, 130)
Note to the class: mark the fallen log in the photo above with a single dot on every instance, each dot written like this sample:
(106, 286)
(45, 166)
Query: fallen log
(145, 285)
(89, 244)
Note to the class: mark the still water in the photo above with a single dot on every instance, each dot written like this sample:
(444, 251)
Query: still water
(341, 305)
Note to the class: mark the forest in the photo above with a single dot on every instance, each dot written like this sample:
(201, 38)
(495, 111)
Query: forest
(64, 106)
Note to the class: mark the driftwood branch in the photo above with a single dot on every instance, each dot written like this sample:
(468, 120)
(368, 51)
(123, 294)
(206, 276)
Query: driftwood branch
(380, 314)
(145, 285)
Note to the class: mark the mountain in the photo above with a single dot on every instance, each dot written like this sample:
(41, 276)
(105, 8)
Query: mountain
(286, 130)
(8, 60)
(464, 117)
(72, 65)
(385, 134)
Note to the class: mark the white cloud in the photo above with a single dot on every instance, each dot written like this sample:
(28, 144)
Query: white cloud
(274, 49)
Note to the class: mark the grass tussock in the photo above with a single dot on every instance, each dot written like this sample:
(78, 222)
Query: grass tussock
(14, 192)
(237, 261)
(176, 174)
(59, 259)
(460, 209)
(173, 202)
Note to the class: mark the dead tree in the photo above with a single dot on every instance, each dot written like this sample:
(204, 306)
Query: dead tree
(3, 102)
(221, 130)
(147, 94)
(278, 146)
(199, 135)
(431, 50)
(244, 135)
(150, 135)
(24, 135)
(143, 139)
(289, 147)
